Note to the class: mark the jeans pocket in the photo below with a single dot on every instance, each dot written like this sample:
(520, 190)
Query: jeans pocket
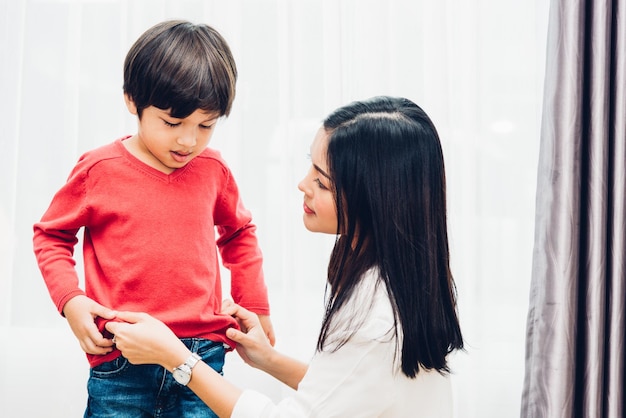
(111, 368)
(213, 354)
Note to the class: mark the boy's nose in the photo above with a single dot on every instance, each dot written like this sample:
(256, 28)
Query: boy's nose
(187, 140)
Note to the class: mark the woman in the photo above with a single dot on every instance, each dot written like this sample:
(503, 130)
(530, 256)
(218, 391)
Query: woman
(377, 182)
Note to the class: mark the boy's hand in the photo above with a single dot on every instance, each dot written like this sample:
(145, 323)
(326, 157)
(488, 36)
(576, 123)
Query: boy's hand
(80, 312)
(267, 326)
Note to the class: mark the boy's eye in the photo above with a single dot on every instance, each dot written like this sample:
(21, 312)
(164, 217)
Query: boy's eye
(171, 125)
(206, 126)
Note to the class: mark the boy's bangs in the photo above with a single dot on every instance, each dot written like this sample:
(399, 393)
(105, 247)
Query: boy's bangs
(192, 87)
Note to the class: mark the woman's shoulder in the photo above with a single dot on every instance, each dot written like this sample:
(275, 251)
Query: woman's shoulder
(371, 291)
(370, 303)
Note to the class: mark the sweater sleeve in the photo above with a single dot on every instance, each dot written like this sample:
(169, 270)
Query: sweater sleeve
(239, 249)
(55, 238)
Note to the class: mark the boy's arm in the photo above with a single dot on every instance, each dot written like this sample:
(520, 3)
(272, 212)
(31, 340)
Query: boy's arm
(240, 253)
(268, 328)
(243, 258)
(239, 248)
(54, 251)
(54, 239)
(55, 236)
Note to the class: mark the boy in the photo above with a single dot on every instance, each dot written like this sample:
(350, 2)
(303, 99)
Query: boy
(151, 205)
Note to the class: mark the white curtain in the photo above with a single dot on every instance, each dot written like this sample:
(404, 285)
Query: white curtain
(475, 66)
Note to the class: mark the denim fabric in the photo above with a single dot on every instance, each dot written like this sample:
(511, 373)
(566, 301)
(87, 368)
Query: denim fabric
(123, 390)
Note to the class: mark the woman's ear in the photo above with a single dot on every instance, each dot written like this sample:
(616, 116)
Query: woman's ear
(130, 104)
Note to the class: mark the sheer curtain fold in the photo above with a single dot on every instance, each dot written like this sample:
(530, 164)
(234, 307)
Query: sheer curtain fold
(575, 328)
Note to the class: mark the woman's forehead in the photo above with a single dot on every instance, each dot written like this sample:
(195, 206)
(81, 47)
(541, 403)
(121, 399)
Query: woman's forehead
(319, 145)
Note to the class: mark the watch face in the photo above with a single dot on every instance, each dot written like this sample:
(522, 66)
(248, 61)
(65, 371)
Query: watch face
(181, 375)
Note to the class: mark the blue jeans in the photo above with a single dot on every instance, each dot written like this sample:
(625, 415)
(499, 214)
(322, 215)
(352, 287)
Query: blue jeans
(123, 390)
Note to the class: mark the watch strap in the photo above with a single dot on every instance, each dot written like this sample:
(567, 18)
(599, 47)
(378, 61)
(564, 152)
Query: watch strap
(182, 373)
(193, 359)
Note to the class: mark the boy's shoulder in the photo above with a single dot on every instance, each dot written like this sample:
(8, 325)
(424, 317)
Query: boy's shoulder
(104, 152)
(211, 153)
(212, 156)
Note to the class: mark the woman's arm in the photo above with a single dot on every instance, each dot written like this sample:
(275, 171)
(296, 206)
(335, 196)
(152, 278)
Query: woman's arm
(146, 340)
(215, 391)
(143, 339)
(258, 352)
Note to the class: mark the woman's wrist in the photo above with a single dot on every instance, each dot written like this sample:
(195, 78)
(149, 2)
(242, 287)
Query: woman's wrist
(176, 357)
(272, 361)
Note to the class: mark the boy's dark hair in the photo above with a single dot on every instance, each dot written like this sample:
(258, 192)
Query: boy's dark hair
(180, 66)
(387, 171)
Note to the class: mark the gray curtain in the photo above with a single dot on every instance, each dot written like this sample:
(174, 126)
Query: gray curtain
(575, 331)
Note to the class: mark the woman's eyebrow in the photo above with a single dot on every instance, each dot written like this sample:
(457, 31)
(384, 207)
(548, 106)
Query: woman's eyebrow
(322, 172)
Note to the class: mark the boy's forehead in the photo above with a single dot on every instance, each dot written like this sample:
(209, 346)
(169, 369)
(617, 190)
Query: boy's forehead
(209, 114)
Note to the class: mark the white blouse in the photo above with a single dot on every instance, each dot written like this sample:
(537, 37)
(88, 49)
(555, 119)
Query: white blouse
(362, 378)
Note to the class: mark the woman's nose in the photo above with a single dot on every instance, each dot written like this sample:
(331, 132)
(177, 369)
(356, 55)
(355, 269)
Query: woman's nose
(301, 185)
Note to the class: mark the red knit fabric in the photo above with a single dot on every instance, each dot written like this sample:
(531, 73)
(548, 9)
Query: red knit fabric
(150, 241)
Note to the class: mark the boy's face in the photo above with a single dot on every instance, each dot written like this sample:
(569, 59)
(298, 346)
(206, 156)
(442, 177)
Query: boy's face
(167, 143)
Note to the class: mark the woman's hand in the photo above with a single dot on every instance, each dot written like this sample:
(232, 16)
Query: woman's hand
(253, 344)
(255, 348)
(143, 339)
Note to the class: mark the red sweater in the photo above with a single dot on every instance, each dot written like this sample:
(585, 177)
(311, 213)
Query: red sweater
(150, 241)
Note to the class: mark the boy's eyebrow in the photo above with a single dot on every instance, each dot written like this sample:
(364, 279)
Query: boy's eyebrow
(322, 172)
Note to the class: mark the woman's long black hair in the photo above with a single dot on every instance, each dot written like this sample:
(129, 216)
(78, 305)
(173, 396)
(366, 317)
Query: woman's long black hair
(386, 165)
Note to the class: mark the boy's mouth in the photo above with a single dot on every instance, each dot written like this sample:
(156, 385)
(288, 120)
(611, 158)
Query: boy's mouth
(180, 157)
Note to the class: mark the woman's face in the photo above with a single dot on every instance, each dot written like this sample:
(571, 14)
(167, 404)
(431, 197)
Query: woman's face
(320, 212)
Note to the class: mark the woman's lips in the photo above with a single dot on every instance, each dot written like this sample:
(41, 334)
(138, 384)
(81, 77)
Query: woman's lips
(307, 210)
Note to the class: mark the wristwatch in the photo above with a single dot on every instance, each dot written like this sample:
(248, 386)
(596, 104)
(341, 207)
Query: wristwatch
(182, 373)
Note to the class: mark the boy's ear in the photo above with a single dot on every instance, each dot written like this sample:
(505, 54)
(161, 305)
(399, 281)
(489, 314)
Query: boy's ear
(130, 104)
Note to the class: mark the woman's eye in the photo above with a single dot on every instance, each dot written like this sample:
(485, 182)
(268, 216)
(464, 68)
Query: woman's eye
(320, 184)
(206, 126)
